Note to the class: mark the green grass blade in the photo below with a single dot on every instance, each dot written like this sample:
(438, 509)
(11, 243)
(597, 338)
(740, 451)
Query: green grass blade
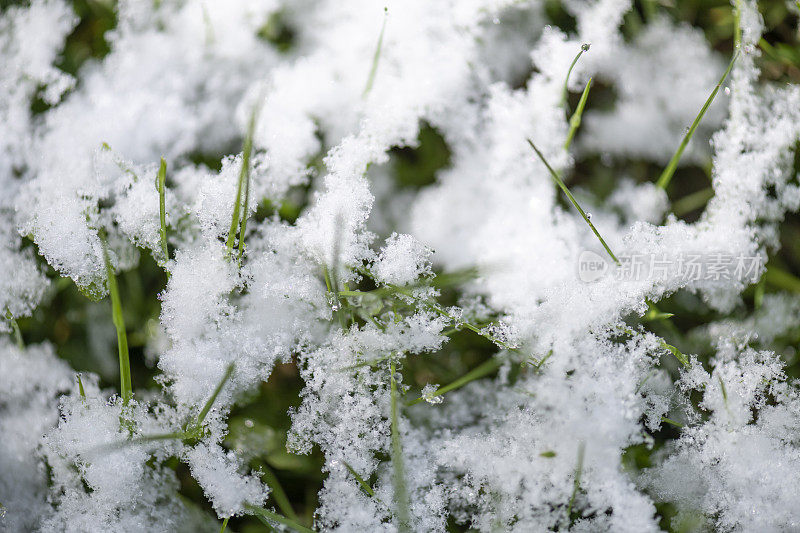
(15, 330)
(245, 175)
(162, 209)
(398, 478)
(682, 359)
(80, 387)
(126, 389)
(478, 372)
(671, 422)
(224, 525)
(692, 201)
(266, 516)
(210, 402)
(781, 279)
(278, 494)
(564, 188)
(666, 175)
(364, 485)
(576, 485)
(575, 119)
(376, 57)
(584, 48)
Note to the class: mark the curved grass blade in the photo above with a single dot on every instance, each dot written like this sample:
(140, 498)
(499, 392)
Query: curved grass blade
(584, 48)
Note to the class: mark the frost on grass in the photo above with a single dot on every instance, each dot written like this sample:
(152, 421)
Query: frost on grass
(455, 370)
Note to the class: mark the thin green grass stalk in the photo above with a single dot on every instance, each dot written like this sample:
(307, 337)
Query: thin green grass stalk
(248, 148)
(224, 525)
(666, 175)
(162, 208)
(671, 422)
(278, 494)
(364, 485)
(724, 390)
(656, 313)
(758, 294)
(576, 485)
(244, 176)
(478, 372)
(781, 279)
(692, 201)
(737, 25)
(330, 284)
(376, 57)
(126, 389)
(564, 188)
(575, 119)
(398, 477)
(80, 387)
(267, 517)
(15, 330)
(584, 48)
(210, 402)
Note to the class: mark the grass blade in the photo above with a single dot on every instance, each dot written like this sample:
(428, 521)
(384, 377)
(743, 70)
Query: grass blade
(80, 387)
(376, 57)
(564, 188)
(692, 201)
(398, 478)
(478, 372)
(248, 148)
(577, 482)
(126, 389)
(781, 279)
(244, 181)
(278, 494)
(364, 485)
(15, 329)
(224, 525)
(666, 175)
(267, 516)
(210, 402)
(584, 48)
(671, 422)
(162, 210)
(575, 119)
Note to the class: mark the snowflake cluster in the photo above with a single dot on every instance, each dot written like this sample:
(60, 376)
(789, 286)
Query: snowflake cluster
(351, 288)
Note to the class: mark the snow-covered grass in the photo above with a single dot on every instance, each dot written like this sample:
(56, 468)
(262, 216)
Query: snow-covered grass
(451, 265)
